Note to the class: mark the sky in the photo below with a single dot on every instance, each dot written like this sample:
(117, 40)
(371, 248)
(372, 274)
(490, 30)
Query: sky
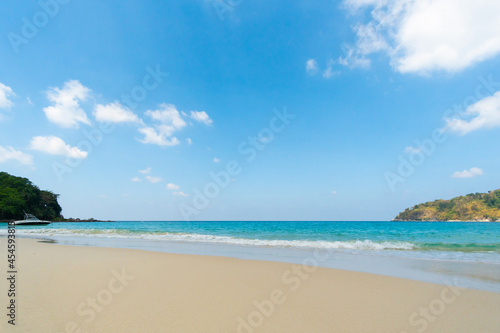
(250, 110)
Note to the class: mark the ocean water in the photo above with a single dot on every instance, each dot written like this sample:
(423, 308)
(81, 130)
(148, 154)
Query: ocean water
(428, 251)
(465, 239)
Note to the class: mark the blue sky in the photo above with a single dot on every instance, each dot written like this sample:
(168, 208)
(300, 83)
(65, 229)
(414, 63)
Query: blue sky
(347, 110)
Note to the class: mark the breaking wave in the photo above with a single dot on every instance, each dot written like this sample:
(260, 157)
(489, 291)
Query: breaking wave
(366, 245)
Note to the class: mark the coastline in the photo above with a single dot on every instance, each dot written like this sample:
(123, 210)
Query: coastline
(471, 275)
(139, 291)
(428, 252)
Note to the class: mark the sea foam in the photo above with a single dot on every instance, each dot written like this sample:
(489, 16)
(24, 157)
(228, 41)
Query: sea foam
(366, 245)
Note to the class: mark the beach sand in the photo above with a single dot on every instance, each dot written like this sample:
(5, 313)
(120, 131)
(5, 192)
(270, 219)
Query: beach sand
(84, 289)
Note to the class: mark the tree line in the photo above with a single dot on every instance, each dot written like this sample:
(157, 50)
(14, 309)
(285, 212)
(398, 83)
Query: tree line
(19, 195)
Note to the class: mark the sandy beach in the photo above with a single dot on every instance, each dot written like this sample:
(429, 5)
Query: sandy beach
(85, 289)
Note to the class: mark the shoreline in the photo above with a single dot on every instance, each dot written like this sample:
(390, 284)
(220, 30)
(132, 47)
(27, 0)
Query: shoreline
(66, 288)
(471, 275)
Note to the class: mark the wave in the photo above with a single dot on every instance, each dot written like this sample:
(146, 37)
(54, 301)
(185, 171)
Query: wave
(366, 245)
(190, 237)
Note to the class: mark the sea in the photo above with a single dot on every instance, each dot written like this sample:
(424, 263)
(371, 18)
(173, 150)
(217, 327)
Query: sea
(464, 254)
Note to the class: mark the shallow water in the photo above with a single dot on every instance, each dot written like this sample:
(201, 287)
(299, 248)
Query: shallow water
(429, 251)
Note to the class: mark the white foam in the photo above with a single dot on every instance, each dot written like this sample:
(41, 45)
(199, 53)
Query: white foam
(187, 237)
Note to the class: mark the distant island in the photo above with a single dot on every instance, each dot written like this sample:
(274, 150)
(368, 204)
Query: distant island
(478, 207)
(72, 219)
(19, 195)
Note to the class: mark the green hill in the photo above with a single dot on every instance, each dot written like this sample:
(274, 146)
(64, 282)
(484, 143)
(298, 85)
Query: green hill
(18, 194)
(472, 207)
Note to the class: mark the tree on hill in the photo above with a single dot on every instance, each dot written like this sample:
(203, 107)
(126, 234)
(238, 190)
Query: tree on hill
(472, 207)
(19, 194)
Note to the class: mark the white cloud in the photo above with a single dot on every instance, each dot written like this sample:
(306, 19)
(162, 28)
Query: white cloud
(311, 66)
(153, 179)
(472, 172)
(482, 114)
(9, 153)
(167, 115)
(216, 160)
(56, 146)
(114, 113)
(352, 59)
(189, 141)
(66, 110)
(423, 36)
(334, 192)
(158, 136)
(202, 117)
(5, 93)
(136, 179)
(412, 150)
(147, 170)
(171, 186)
(169, 121)
(329, 72)
(180, 194)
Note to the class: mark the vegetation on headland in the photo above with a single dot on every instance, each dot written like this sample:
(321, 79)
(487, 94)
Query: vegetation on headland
(19, 195)
(472, 207)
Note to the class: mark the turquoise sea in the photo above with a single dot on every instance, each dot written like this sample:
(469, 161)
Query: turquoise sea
(429, 251)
